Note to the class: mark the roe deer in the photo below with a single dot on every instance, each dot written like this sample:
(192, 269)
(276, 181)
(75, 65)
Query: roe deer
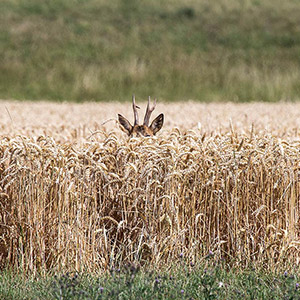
(142, 130)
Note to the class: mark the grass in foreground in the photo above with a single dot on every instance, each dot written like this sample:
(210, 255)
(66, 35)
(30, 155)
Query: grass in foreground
(100, 50)
(184, 281)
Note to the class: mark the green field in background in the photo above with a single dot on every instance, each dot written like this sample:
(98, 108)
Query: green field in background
(81, 50)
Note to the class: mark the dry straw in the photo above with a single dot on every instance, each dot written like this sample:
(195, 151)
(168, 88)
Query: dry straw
(101, 203)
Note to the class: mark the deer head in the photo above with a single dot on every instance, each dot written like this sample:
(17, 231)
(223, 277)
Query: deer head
(142, 130)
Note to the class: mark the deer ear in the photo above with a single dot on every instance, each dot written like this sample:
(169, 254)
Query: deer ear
(126, 126)
(157, 123)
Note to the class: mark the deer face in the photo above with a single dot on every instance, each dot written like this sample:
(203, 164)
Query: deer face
(142, 130)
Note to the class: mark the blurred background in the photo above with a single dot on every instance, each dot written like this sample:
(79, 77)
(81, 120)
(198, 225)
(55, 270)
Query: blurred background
(79, 50)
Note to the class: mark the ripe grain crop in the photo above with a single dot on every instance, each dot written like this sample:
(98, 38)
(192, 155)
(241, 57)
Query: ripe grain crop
(77, 194)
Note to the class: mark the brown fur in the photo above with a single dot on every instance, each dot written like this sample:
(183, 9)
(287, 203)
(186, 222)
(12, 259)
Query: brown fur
(141, 130)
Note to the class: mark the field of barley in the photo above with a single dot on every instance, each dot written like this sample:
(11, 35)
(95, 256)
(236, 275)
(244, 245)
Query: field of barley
(219, 180)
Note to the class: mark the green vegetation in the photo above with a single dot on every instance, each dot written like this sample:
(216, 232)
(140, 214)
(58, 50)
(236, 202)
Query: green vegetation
(98, 50)
(207, 281)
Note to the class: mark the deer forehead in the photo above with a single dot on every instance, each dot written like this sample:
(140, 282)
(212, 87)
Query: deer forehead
(142, 129)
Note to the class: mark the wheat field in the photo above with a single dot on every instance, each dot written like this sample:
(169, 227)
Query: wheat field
(219, 180)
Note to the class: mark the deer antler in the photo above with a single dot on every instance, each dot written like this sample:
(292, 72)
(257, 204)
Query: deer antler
(149, 112)
(136, 115)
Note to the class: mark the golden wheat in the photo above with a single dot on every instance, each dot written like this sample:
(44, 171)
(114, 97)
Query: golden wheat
(76, 194)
